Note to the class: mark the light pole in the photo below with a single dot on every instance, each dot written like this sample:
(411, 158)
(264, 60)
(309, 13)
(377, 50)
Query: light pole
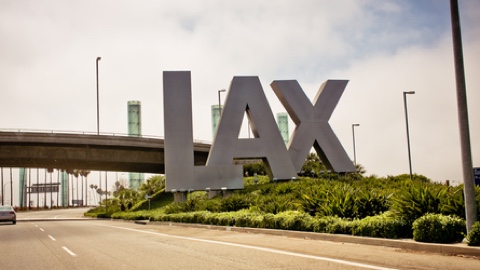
(106, 193)
(98, 111)
(3, 188)
(408, 132)
(98, 103)
(354, 152)
(462, 110)
(11, 187)
(219, 104)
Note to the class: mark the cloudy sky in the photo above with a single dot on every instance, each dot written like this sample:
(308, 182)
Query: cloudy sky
(48, 50)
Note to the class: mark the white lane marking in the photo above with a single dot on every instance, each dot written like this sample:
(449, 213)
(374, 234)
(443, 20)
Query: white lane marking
(51, 237)
(42, 230)
(69, 251)
(271, 250)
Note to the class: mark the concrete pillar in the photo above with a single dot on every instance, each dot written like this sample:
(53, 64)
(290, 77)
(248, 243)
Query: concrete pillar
(180, 196)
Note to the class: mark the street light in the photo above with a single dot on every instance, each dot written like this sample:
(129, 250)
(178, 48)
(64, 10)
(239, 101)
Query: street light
(219, 104)
(98, 104)
(1, 172)
(354, 152)
(408, 133)
(98, 111)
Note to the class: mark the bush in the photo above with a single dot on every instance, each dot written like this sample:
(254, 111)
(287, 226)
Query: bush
(330, 225)
(235, 202)
(247, 218)
(438, 228)
(473, 237)
(138, 215)
(384, 226)
(415, 201)
(293, 220)
(275, 204)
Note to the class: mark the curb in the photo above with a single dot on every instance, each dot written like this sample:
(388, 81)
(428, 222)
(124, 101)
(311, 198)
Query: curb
(409, 244)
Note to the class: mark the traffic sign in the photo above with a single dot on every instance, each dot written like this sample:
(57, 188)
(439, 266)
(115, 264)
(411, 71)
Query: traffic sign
(476, 175)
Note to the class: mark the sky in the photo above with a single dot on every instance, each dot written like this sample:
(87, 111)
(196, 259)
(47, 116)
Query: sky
(48, 51)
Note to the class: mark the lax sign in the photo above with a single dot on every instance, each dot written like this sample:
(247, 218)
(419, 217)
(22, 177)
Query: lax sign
(246, 95)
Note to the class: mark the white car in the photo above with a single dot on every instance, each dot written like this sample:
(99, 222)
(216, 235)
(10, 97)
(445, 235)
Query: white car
(7, 213)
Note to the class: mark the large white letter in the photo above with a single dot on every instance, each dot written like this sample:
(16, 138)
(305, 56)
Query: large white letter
(246, 95)
(312, 127)
(181, 174)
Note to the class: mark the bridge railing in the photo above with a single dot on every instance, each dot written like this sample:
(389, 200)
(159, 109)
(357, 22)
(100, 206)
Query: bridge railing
(91, 133)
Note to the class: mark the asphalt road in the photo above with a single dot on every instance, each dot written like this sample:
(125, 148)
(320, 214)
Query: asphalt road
(105, 244)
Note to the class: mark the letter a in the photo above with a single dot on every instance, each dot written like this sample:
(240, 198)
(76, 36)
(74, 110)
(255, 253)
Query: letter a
(246, 95)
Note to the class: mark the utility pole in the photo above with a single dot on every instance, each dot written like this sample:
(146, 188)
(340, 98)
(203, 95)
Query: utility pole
(467, 166)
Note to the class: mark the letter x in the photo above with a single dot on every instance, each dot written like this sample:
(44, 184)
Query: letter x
(312, 127)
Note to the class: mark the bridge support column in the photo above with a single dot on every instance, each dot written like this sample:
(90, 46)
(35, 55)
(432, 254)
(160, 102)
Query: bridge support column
(212, 193)
(227, 193)
(179, 197)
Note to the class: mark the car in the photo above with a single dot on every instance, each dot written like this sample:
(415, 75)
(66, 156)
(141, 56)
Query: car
(7, 213)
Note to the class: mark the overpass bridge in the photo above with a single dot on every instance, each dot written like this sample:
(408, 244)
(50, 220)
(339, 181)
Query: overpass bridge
(88, 152)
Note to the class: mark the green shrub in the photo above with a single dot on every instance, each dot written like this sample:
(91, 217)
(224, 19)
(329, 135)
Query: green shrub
(438, 228)
(174, 208)
(330, 225)
(383, 226)
(417, 200)
(212, 205)
(473, 237)
(247, 218)
(138, 215)
(275, 204)
(341, 202)
(453, 203)
(292, 220)
(343, 199)
(320, 223)
(371, 202)
(235, 202)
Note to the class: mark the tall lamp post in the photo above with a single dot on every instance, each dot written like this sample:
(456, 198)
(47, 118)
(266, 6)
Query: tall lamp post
(466, 151)
(354, 152)
(98, 113)
(408, 132)
(11, 187)
(219, 104)
(3, 188)
(98, 103)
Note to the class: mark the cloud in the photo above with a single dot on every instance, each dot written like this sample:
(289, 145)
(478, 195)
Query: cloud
(48, 52)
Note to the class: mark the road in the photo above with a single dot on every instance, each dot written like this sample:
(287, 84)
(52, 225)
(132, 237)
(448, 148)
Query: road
(105, 244)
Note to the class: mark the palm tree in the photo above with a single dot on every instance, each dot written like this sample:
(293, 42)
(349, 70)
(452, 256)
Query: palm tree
(85, 173)
(313, 165)
(75, 173)
(94, 189)
(126, 198)
(152, 185)
(360, 169)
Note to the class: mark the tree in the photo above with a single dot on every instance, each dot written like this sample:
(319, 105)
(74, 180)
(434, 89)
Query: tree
(360, 169)
(250, 169)
(152, 185)
(126, 198)
(85, 173)
(312, 166)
